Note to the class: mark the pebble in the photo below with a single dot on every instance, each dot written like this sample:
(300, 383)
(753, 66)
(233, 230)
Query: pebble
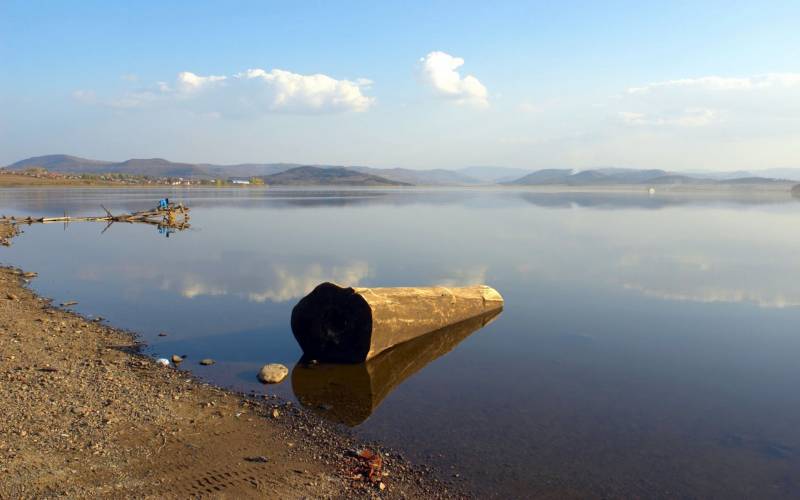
(80, 410)
(207, 361)
(176, 359)
(162, 362)
(11, 296)
(272, 373)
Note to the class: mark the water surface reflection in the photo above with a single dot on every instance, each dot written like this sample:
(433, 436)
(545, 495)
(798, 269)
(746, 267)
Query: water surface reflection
(648, 345)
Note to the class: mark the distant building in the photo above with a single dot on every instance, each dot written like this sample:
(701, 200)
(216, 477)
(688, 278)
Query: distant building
(240, 181)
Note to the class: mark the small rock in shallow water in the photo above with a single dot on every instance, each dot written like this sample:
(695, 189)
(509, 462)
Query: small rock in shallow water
(272, 373)
(207, 361)
(176, 359)
(162, 334)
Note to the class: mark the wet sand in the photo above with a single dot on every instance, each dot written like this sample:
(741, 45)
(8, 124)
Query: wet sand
(86, 415)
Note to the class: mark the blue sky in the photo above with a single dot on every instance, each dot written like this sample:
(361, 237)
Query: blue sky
(677, 85)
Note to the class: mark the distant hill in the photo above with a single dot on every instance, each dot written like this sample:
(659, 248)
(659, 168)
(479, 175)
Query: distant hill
(61, 163)
(621, 177)
(589, 177)
(434, 177)
(157, 167)
(493, 175)
(330, 176)
(544, 177)
(246, 169)
(792, 174)
(153, 167)
(366, 176)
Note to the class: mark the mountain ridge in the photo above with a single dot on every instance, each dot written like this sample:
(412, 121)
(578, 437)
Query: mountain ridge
(466, 176)
(331, 176)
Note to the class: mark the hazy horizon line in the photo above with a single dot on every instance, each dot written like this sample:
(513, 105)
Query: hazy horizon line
(452, 168)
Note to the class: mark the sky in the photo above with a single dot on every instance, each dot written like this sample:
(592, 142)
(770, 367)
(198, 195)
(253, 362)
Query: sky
(684, 86)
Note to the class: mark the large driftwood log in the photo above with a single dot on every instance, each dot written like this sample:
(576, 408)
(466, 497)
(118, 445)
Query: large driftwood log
(349, 393)
(355, 324)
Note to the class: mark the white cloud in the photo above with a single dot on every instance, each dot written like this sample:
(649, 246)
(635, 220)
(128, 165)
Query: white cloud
(287, 91)
(739, 108)
(250, 93)
(769, 80)
(188, 82)
(439, 70)
(693, 117)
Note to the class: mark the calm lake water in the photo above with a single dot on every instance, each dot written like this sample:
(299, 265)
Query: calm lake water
(649, 346)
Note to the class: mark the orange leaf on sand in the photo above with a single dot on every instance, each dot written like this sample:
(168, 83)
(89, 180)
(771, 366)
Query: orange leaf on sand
(373, 463)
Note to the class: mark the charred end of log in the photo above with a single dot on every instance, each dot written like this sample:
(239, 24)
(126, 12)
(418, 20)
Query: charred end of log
(333, 324)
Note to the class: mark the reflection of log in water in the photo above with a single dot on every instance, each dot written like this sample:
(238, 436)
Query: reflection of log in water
(349, 393)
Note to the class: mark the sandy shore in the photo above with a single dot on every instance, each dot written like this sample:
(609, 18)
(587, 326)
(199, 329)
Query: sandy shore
(86, 416)
(7, 233)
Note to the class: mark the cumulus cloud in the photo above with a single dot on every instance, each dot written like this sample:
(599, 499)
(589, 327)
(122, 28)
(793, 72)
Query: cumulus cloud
(188, 82)
(294, 92)
(439, 70)
(249, 93)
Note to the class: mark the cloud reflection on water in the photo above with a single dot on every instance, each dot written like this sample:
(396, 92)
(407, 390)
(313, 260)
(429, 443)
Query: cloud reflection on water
(274, 283)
